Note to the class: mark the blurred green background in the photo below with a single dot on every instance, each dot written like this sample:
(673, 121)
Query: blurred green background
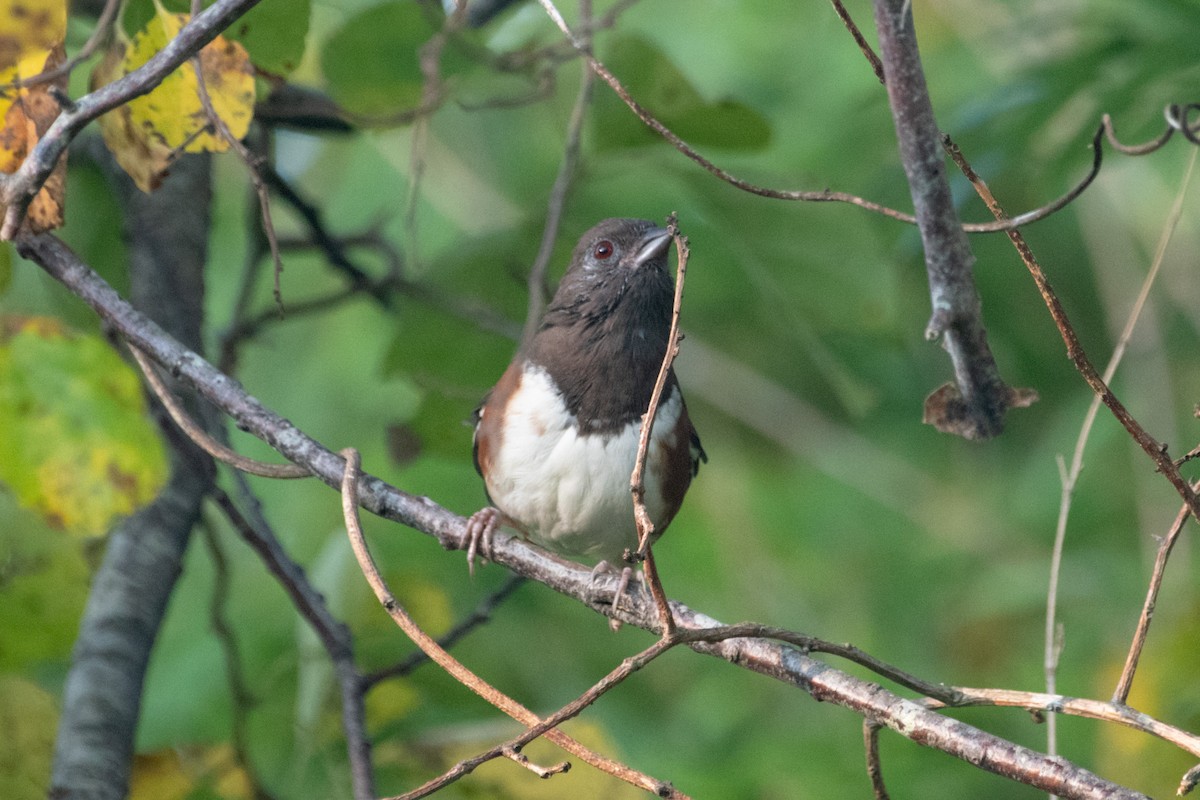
(826, 507)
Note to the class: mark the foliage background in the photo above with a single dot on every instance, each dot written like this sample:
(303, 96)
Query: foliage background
(826, 507)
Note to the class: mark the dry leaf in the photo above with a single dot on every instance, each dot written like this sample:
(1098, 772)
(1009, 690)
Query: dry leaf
(25, 116)
(946, 410)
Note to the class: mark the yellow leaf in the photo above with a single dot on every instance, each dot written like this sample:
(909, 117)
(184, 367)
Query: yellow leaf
(177, 773)
(144, 158)
(28, 27)
(148, 134)
(173, 113)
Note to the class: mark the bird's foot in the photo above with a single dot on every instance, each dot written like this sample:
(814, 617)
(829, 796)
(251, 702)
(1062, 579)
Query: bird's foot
(481, 528)
(622, 586)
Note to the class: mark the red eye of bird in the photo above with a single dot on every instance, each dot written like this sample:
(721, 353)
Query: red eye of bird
(603, 250)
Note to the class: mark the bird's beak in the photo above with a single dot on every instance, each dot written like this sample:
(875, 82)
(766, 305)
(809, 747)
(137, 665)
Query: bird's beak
(655, 242)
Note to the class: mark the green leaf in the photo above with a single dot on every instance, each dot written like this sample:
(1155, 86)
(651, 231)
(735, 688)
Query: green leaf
(29, 719)
(372, 63)
(455, 363)
(43, 586)
(660, 87)
(79, 449)
(273, 33)
(442, 425)
(135, 14)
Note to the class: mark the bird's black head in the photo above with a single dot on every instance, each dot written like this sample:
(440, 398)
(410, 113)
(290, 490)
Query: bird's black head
(623, 245)
(620, 264)
(604, 334)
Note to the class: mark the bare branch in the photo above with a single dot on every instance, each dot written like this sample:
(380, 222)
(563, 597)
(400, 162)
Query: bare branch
(1125, 683)
(1081, 707)
(197, 434)
(863, 45)
(976, 405)
(756, 654)
(1190, 779)
(539, 288)
(479, 616)
(871, 739)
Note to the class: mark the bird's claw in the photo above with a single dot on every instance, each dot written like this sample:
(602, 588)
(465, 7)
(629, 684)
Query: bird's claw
(622, 587)
(481, 528)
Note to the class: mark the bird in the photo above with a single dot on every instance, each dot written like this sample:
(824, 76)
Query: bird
(556, 438)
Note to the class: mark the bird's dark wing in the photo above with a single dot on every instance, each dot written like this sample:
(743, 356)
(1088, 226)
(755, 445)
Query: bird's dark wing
(697, 452)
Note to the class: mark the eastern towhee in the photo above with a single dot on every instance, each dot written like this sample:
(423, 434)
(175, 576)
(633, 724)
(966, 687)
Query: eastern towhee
(556, 438)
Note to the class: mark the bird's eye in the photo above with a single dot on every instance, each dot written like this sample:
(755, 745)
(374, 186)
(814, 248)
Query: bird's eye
(603, 250)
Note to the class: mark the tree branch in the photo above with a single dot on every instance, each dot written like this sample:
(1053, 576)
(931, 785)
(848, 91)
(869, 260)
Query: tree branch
(144, 554)
(976, 405)
(780, 661)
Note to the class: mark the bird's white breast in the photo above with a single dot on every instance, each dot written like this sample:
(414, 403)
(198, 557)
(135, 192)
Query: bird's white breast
(570, 492)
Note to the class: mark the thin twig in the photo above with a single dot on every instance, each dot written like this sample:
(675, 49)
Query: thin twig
(801, 195)
(626, 668)
(1070, 477)
(333, 247)
(333, 634)
(1110, 133)
(539, 288)
(201, 437)
(863, 45)
(1125, 683)
(871, 740)
(248, 158)
(637, 481)
(480, 615)
(456, 669)
(432, 96)
(542, 772)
